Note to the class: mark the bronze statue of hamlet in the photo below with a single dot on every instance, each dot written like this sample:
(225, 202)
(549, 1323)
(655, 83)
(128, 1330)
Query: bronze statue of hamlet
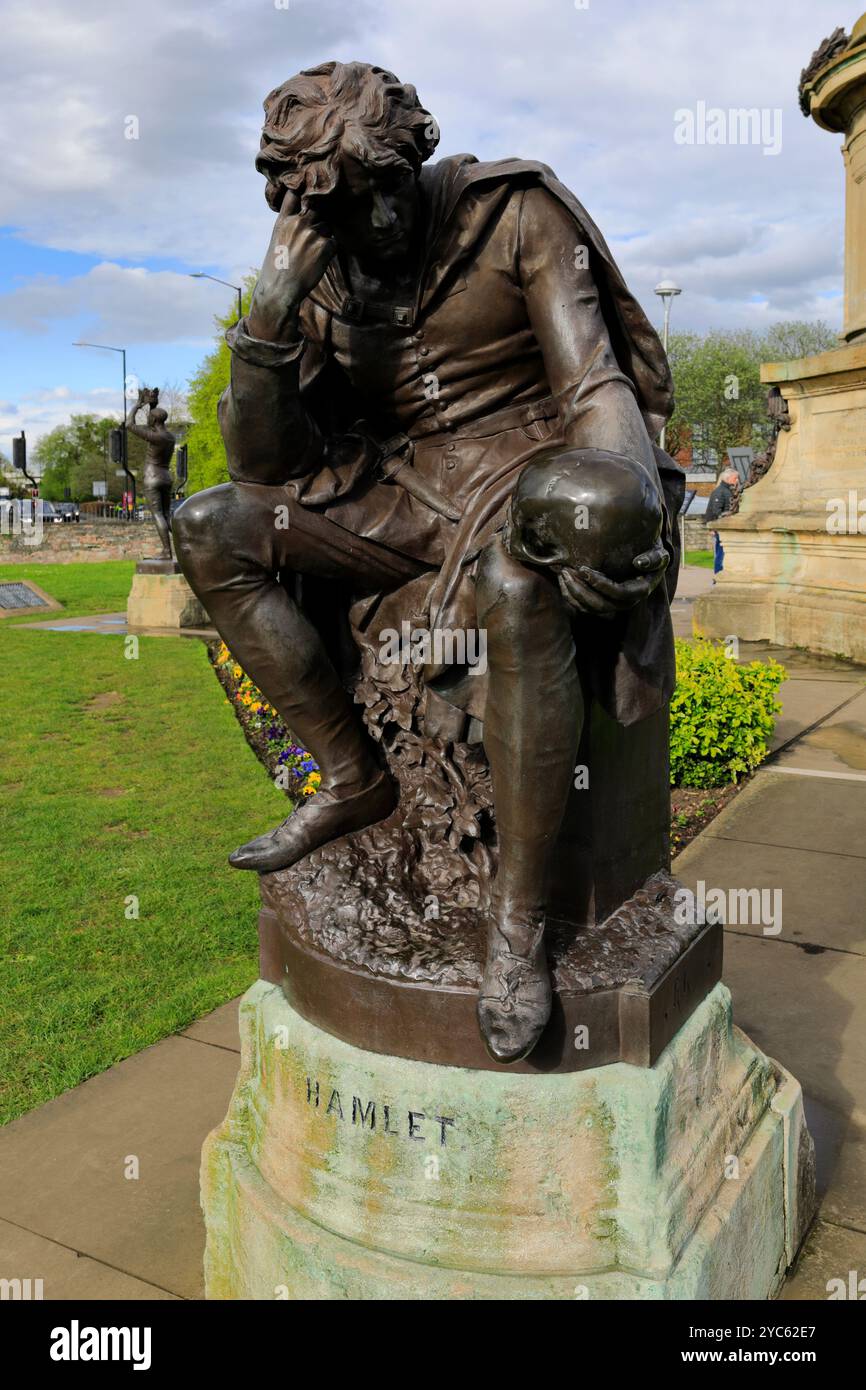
(441, 418)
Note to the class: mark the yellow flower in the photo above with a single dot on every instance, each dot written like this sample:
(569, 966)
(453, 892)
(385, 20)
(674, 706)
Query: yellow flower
(237, 672)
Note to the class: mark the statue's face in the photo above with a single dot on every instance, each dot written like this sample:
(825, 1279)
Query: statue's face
(373, 213)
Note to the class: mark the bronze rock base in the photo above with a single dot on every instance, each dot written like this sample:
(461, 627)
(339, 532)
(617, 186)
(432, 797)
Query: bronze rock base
(367, 967)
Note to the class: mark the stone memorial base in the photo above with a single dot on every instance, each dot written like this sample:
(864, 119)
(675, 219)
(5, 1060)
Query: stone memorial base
(341, 1173)
(795, 552)
(161, 599)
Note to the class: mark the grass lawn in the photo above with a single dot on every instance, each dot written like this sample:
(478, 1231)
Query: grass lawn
(123, 780)
(81, 587)
(704, 558)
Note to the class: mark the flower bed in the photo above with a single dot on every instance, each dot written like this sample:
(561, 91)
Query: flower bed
(722, 716)
(292, 767)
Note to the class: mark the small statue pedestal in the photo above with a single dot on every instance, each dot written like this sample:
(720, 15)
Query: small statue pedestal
(341, 1173)
(161, 599)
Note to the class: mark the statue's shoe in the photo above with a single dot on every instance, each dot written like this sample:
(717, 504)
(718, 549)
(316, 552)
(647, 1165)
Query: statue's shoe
(515, 1000)
(324, 817)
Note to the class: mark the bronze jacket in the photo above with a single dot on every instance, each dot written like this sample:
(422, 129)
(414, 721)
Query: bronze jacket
(522, 334)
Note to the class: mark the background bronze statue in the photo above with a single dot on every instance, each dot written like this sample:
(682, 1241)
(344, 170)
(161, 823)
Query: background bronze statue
(417, 336)
(158, 484)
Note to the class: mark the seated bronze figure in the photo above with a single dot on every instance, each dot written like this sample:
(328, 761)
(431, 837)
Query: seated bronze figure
(442, 410)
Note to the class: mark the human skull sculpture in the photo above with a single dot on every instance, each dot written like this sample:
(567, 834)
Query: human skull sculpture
(575, 507)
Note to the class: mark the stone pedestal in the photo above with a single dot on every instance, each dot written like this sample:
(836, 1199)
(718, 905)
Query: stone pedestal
(345, 1174)
(160, 599)
(794, 572)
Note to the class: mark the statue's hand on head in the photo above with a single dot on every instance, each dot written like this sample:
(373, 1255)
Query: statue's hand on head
(300, 251)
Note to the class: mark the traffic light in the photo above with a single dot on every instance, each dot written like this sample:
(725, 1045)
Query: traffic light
(180, 465)
(115, 446)
(19, 452)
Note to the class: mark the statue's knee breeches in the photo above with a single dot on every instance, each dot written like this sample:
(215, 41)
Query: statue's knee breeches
(515, 603)
(224, 530)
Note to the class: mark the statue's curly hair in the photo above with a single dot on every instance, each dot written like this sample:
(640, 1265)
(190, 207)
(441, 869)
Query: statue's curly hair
(353, 107)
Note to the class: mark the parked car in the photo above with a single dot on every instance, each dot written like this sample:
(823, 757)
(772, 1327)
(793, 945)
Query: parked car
(49, 512)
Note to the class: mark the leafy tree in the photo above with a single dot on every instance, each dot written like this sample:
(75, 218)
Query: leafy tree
(11, 480)
(73, 455)
(207, 460)
(797, 338)
(76, 454)
(720, 399)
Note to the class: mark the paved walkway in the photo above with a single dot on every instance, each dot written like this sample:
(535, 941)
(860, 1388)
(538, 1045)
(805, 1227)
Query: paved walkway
(70, 1216)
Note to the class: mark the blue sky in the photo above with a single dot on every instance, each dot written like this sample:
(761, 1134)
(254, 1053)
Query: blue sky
(99, 233)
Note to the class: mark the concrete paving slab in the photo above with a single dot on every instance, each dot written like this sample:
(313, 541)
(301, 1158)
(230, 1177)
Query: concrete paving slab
(774, 809)
(693, 580)
(804, 703)
(822, 895)
(114, 624)
(830, 1253)
(837, 745)
(65, 1274)
(219, 1028)
(809, 1012)
(805, 665)
(63, 1167)
(93, 622)
(843, 1197)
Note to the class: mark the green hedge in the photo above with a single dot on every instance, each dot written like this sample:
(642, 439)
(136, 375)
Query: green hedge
(722, 715)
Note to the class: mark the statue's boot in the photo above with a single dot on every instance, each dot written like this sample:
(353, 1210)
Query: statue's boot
(532, 723)
(281, 650)
(515, 999)
(321, 818)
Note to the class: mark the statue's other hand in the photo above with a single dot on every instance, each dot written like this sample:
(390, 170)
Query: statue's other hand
(589, 591)
(300, 251)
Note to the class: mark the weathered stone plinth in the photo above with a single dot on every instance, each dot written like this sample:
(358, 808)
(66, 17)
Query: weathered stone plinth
(343, 1174)
(161, 599)
(795, 560)
(791, 576)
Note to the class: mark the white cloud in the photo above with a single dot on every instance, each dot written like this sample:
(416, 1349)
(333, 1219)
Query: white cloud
(593, 92)
(132, 304)
(38, 412)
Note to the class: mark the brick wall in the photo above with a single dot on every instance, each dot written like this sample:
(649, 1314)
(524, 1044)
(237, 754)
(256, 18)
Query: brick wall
(107, 540)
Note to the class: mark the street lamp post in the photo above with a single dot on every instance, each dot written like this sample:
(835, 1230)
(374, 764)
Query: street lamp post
(106, 347)
(666, 289)
(200, 275)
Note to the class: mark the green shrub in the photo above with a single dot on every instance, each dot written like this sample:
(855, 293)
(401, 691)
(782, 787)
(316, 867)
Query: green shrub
(722, 715)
